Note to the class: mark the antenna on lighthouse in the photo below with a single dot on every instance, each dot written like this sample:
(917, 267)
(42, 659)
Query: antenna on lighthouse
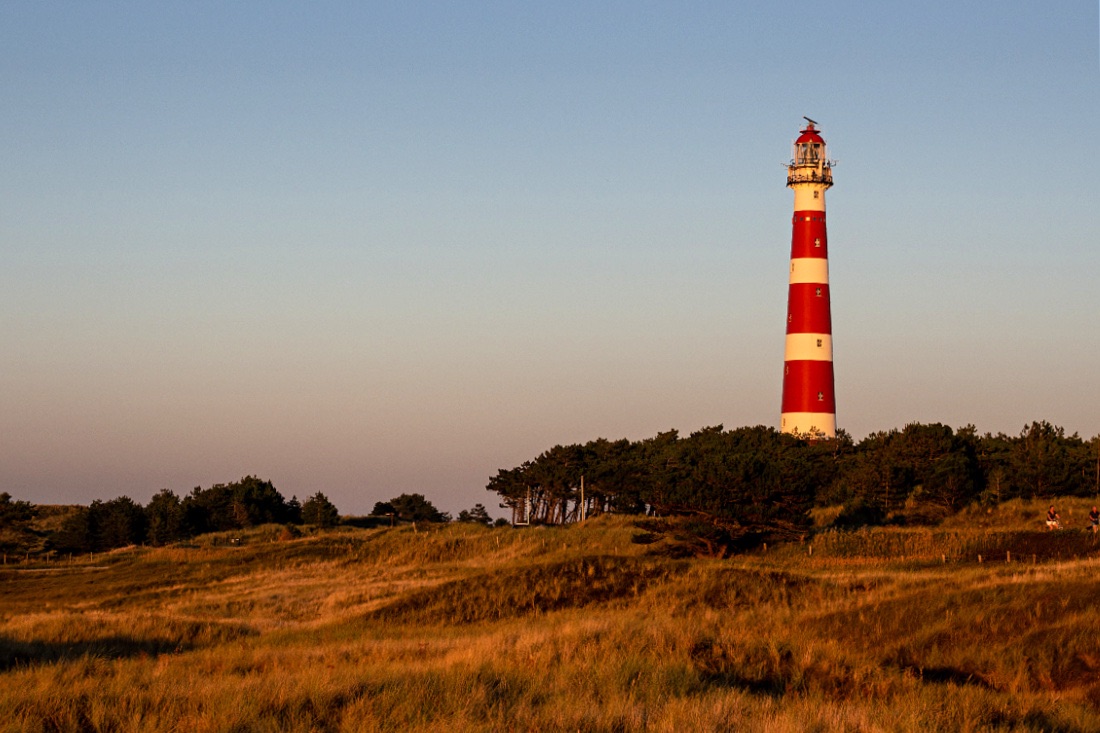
(812, 122)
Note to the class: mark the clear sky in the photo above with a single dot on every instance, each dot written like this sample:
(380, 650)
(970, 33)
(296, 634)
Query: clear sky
(368, 248)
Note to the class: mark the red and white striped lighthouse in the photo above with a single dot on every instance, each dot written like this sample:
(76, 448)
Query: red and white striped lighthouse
(809, 406)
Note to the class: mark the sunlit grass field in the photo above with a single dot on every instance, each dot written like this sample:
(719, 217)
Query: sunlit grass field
(466, 628)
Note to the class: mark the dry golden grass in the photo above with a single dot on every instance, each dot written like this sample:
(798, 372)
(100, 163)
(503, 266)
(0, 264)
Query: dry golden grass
(471, 629)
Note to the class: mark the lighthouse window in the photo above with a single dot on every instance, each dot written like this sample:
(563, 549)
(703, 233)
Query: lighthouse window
(819, 343)
(820, 396)
(815, 194)
(817, 242)
(817, 292)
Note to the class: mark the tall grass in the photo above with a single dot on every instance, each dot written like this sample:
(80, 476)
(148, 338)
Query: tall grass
(471, 629)
(967, 545)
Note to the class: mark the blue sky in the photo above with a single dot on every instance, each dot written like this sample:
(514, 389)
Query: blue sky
(374, 248)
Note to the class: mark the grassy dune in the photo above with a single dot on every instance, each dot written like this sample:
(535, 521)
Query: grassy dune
(467, 628)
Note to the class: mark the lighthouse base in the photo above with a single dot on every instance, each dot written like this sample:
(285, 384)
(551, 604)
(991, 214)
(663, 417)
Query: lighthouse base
(810, 424)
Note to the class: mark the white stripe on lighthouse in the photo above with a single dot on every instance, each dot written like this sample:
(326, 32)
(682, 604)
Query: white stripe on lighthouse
(809, 270)
(809, 347)
(804, 199)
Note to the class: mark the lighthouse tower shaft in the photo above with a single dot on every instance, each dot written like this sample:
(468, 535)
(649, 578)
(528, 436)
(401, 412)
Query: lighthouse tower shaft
(809, 405)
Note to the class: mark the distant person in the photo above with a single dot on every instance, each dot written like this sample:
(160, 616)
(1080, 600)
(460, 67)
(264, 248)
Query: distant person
(1094, 520)
(1052, 518)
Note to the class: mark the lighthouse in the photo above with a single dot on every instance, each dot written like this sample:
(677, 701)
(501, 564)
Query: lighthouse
(809, 405)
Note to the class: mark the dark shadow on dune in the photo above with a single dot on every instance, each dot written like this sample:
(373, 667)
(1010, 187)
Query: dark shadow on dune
(533, 589)
(174, 638)
(33, 653)
(949, 675)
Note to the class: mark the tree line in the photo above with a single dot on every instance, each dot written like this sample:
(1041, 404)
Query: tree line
(415, 508)
(731, 488)
(104, 525)
(168, 518)
(756, 483)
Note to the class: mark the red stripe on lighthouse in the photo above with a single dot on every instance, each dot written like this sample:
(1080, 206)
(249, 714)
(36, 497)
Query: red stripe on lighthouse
(808, 387)
(808, 308)
(808, 238)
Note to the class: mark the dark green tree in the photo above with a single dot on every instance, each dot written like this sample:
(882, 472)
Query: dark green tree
(942, 466)
(383, 509)
(14, 512)
(832, 457)
(164, 518)
(513, 487)
(415, 508)
(879, 477)
(101, 526)
(76, 533)
(1045, 462)
(245, 503)
(746, 486)
(915, 475)
(294, 510)
(554, 480)
(209, 510)
(477, 515)
(15, 523)
(259, 502)
(613, 473)
(994, 457)
(120, 522)
(320, 511)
